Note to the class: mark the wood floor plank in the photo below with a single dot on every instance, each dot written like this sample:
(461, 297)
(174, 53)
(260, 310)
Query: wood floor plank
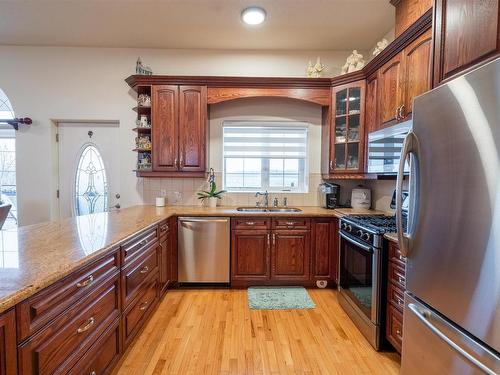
(212, 331)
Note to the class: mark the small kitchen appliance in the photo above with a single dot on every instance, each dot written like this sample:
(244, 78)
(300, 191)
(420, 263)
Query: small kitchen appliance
(361, 198)
(330, 195)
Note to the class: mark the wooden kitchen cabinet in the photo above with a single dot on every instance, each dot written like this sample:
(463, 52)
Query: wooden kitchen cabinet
(466, 35)
(290, 255)
(324, 249)
(347, 133)
(179, 129)
(417, 58)
(391, 82)
(401, 79)
(250, 255)
(408, 12)
(371, 103)
(8, 353)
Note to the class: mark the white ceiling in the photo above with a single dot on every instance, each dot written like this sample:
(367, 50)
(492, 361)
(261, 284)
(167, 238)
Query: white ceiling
(209, 24)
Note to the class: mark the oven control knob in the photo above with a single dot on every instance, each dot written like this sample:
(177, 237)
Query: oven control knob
(349, 228)
(343, 226)
(360, 233)
(366, 236)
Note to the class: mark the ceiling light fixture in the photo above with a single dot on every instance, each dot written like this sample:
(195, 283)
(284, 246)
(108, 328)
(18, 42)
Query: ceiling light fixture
(253, 15)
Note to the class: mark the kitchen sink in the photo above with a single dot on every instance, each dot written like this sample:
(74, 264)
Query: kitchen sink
(268, 209)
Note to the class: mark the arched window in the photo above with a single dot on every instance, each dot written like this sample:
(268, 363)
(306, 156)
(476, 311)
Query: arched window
(8, 191)
(91, 188)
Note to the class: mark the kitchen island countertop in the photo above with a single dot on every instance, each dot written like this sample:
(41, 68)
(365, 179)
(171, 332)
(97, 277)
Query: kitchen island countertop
(35, 256)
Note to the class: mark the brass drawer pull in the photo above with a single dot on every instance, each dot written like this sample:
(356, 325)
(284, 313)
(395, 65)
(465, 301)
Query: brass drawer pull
(87, 326)
(250, 222)
(290, 223)
(143, 306)
(164, 228)
(143, 242)
(89, 280)
(144, 270)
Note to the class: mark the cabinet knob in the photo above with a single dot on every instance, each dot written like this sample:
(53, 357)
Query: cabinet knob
(144, 270)
(143, 306)
(93, 373)
(398, 332)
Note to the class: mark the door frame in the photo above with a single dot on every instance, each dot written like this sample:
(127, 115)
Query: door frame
(55, 212)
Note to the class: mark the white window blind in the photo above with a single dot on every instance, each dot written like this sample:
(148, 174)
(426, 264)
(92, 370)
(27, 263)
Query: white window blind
(265, 156)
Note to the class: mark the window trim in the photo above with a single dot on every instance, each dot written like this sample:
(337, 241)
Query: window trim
(303, 162)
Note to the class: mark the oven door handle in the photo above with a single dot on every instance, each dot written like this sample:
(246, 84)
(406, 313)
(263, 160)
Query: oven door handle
(357, 243)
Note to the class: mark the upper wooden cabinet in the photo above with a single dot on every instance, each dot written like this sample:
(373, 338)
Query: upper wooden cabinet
(466, 33)
(179, 129)
(8, 353)
(408, 12)
(371, 103)
(401, 79)
(347, 129)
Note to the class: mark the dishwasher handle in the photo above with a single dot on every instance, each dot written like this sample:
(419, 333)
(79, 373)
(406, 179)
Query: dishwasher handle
(202, 220)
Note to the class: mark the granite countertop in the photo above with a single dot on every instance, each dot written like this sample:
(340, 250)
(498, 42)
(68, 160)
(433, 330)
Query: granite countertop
(35, 256)
(391, 237)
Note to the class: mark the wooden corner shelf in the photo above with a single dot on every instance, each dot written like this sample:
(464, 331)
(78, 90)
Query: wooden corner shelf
(142, 130)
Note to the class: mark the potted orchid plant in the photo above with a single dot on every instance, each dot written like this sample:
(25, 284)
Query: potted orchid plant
(212, 196)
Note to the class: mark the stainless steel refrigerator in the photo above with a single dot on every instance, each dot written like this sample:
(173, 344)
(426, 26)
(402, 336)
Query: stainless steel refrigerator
(452, 244)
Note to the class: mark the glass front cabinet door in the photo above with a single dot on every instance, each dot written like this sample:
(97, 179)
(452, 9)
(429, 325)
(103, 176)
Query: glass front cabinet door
(348, 135)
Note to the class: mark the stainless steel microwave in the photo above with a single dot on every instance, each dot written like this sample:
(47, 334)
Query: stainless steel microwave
(384, 148)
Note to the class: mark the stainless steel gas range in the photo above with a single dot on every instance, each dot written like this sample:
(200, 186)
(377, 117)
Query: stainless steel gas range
(361, 271)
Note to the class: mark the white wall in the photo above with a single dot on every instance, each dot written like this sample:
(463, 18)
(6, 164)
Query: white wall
(47, 83)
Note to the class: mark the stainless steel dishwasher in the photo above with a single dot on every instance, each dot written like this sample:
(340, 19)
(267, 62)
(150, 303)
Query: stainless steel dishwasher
(204, 249)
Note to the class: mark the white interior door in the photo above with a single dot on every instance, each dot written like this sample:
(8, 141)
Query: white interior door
(89, 170)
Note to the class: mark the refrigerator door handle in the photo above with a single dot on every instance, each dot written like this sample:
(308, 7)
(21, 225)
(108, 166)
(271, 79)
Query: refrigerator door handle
(410, 147)
(421, 315)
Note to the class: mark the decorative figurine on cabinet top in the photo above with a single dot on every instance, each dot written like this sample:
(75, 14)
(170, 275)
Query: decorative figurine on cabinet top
(316, 70)
(142, 69)
(380, 47)
(354, 62)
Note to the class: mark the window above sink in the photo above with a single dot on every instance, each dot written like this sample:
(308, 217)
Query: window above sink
(265, 155)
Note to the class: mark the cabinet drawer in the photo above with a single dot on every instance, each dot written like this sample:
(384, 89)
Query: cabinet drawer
(163, 228)
(395, 254)
(57, 348)
(40, 309)
(137, 272)
(291, 223)
(136, 245)
(103, 355)
(397, 275)
(137, 314)
(395, 296)
(394, 329)
(251, 223)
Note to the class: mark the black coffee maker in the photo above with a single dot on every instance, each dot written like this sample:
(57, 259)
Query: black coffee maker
(330, 195)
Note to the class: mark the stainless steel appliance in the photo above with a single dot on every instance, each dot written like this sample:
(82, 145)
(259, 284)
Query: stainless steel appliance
(330, 195)
(361, 271)
(452, 244)
(384, 148)
(204, 249)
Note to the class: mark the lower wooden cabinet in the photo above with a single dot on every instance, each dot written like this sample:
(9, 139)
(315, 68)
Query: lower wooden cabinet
(395, 296)
(250, 255)
(324, 249)
(8, 353)
(283, 251)
(290, 255)
(57, 347)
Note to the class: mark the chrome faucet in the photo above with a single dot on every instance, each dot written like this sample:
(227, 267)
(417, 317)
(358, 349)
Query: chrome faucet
(275, 202)
(266, 197)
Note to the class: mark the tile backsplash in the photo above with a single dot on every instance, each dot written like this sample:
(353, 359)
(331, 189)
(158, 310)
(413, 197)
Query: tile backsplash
(182, 192)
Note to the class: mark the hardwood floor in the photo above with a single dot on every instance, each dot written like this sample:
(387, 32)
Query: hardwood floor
(211, 331)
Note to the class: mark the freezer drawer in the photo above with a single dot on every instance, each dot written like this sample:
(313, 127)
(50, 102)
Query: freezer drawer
(432, 345)
(204, 249)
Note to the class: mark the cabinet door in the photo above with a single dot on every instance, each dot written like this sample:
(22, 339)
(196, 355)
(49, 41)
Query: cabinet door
(250, 255)
(164, 126)
(290, 256)
(390, 90)
(408, 12)
(348, 130)
(165, 262)
(371, 104)
(417, 65)
(192, 128)
(8, 345)
(466, 33)
(324, 249)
